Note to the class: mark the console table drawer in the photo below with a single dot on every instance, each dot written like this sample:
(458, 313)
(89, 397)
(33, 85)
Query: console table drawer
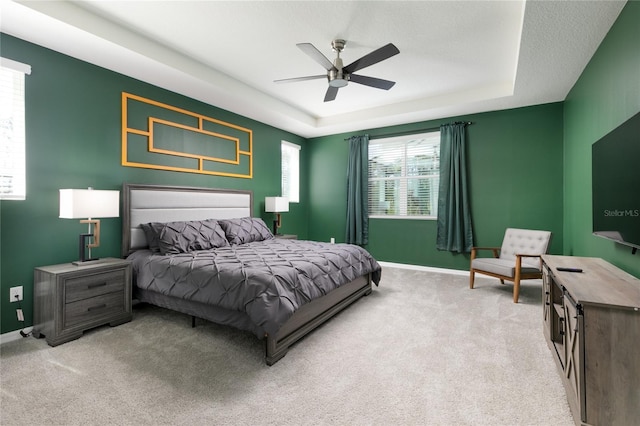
(94, 308)
(84, 287)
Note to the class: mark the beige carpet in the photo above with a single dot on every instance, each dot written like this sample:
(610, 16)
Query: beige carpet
(422, 349)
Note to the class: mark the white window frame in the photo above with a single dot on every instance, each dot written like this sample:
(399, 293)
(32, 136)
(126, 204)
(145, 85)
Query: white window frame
(290, 168)
(13, 184)
(402, 141)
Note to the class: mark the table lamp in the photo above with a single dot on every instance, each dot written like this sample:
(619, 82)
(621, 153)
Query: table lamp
(276, 205)
(89, 204)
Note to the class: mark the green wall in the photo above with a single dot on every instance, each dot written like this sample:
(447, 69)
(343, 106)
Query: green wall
(73, 120)
(528, 167)
(515, 178)
(606, 95)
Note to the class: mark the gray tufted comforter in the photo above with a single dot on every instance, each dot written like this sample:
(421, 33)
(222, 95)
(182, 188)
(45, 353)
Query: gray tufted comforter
(269, 280)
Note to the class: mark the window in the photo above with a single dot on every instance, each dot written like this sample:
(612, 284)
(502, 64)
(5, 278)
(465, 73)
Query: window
(12, 130)
(290, 171)
(404, 174)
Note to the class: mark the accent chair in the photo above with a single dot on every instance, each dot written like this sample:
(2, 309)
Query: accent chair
(519, 258)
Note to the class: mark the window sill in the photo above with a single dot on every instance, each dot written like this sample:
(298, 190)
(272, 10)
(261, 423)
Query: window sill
(405, 217)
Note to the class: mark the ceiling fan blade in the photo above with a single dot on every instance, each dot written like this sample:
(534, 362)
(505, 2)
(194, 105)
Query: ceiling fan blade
(293, 80)
(316, 55)
(378, 83)
(331, 94)
(374, 57)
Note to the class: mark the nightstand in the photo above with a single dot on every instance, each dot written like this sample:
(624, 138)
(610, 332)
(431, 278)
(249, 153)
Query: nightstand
(287, 236)
(70, 299)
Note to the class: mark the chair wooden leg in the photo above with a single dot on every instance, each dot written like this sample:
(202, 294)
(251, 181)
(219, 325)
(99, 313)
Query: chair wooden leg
(516, 280)
(472, 273)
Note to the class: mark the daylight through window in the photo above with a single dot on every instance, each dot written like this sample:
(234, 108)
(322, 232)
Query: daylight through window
(12, 130)
(290, 171)
(404, 176)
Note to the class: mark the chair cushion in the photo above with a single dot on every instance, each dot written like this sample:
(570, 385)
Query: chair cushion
(504, 267)
(524, 241)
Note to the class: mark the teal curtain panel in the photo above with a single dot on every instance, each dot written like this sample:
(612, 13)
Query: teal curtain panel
(454, 233)
(357, 231)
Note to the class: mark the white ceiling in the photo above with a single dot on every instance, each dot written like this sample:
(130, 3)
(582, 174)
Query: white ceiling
(456, 57)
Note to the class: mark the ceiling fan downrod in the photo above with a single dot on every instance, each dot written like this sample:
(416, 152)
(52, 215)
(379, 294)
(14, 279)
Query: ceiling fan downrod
(336, 77)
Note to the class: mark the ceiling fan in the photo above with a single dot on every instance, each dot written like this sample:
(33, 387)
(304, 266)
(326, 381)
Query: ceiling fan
(339, 76)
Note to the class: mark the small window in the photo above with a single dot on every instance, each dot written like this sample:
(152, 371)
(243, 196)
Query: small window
(12, 130)
(290, 171)
(404, 175)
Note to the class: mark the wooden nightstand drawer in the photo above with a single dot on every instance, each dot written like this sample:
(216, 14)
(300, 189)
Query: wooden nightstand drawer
(93, 309)
(70, 299)
(84, 287)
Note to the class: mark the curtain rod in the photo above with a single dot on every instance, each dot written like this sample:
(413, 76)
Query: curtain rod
(411, 132)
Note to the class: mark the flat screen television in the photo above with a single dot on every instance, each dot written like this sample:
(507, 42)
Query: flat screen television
(616, 184)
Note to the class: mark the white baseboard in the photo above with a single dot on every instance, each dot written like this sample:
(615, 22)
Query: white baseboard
(424, 268)
(439, 270)
(13, 335)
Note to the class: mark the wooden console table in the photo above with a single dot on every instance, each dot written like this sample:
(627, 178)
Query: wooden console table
(592, 326)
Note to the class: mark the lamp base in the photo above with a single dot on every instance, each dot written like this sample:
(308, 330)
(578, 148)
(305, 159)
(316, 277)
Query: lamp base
(82, 249)
(277, 224)
(86, 262)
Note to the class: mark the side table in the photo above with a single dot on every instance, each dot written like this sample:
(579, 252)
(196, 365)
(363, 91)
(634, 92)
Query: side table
(287, 236)
(70, 299)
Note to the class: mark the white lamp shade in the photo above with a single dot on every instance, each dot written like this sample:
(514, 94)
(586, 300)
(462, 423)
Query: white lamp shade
(276, 204)
(89, 203)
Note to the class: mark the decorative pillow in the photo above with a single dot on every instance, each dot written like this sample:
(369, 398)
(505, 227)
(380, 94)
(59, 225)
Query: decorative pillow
(152, 236)
(245, 230)
(183, 237)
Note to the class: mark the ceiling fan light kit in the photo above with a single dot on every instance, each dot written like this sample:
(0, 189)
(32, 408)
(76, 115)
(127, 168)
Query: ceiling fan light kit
(338, 75)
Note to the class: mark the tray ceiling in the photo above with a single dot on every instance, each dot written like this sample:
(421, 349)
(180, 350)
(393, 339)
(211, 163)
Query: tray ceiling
(456, 57)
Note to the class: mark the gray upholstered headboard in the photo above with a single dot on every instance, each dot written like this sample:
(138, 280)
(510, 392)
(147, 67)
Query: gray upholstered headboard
(156, 203)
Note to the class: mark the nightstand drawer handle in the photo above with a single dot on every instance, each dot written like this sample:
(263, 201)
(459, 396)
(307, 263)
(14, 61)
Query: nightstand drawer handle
(94, 308)
(97, 285)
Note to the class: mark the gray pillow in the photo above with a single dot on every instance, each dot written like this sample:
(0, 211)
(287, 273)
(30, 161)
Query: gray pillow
(183, 237)
(245, 230)
(152, 236)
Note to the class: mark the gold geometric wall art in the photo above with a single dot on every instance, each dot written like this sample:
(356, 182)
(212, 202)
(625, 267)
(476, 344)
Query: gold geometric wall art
(163, 137)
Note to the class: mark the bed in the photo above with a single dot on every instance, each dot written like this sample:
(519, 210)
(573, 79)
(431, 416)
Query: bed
(278, 289)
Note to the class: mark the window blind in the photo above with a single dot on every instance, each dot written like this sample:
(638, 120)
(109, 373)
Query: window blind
(12, 129)
(404, 176)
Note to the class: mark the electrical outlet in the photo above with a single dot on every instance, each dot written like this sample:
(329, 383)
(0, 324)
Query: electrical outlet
(13, 292)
